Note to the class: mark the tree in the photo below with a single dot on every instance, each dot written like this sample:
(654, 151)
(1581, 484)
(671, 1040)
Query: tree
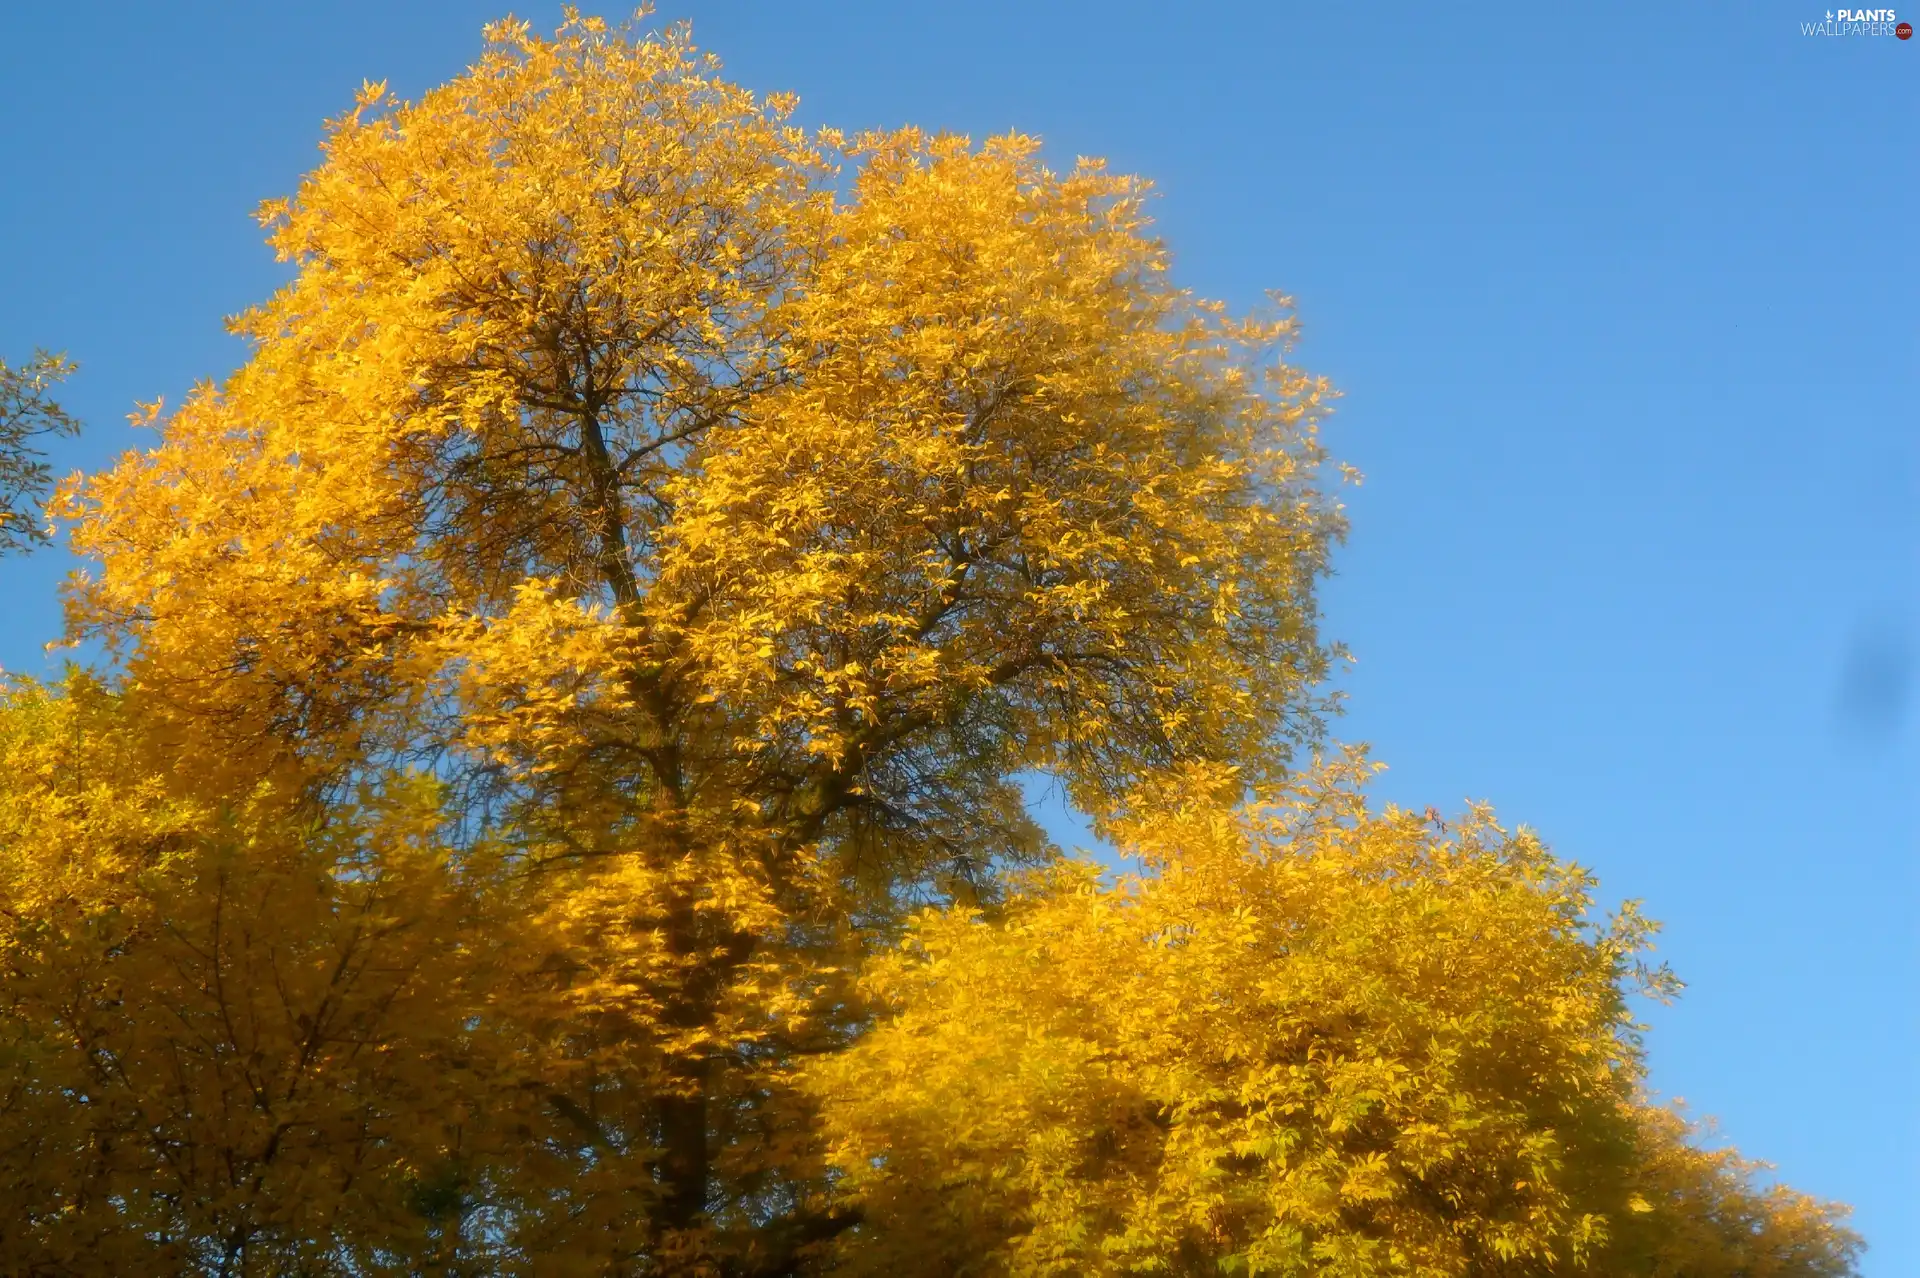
(1314, 1039)
(233, 1033)
(27, 413)
(716, 518)
(550, 802)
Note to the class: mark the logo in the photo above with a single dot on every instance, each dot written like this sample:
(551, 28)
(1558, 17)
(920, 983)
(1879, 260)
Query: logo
(1859, 22)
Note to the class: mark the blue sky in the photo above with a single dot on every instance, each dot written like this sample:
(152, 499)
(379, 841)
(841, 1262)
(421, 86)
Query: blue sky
(1626, 309)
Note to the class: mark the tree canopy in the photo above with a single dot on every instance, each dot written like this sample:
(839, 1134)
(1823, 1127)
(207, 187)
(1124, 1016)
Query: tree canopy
(1313, 1038)
(27, 414)
(551, 799)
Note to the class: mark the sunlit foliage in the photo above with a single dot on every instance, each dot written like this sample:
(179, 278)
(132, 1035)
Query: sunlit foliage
(1312, 1039)
(544, 691)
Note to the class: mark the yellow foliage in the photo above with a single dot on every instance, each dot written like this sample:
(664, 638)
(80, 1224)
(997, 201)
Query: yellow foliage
(229, 1029)
(708, 520)
(1313, 1039)
(642, 552)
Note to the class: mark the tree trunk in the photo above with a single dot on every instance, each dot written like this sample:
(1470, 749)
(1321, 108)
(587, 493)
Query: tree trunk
(684, 1167)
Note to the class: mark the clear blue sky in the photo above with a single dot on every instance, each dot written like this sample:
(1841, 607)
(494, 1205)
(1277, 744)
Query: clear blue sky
(1625, 302)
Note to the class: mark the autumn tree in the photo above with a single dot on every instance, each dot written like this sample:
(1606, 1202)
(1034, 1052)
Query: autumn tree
(234, 1030)
(716, 518)
(1313, 1039)
(550, 802)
